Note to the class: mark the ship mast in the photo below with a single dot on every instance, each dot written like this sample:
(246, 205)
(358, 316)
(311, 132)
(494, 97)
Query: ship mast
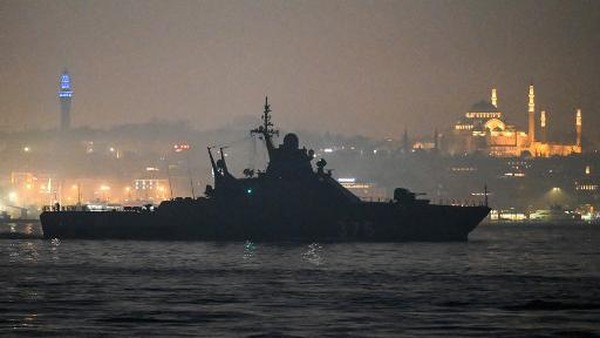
(266, 129)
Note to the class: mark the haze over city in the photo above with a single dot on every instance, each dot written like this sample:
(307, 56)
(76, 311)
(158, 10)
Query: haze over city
(306, 168)
(371, 68)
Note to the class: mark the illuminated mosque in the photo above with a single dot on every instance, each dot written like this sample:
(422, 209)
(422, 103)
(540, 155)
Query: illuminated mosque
(483, 129)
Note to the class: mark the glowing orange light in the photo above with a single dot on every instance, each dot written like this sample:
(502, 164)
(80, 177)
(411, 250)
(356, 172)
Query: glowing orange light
(181, 147)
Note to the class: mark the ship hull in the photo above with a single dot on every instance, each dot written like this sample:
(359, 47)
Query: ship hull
(376, 222)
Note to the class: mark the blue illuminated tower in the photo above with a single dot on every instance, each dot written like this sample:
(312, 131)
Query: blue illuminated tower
(64, 95)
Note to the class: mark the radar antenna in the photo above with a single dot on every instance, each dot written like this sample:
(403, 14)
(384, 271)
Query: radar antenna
(266, 129)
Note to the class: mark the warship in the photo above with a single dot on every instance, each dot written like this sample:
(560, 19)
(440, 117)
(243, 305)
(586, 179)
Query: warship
(289, 201)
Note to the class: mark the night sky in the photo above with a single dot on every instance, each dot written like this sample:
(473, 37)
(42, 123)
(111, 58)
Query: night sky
(354, 67)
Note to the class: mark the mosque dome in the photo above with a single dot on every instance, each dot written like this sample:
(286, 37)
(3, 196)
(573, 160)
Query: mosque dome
(483, 106)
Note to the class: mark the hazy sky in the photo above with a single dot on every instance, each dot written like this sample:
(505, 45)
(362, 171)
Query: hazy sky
(354, 67)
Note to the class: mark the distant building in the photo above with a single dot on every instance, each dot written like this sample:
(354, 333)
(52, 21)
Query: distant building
(64, 95)
(484, 129)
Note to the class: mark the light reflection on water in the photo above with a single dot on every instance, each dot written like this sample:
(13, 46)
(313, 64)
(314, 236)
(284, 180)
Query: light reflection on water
(20, 230)
(28, 229)
(53, 244)
(26, 322)
(249, 250)
(314, 254)
(26, 251)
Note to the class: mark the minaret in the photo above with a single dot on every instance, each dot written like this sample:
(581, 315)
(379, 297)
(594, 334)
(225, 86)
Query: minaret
(494, 98)
(64, 95)
(531, 133)
(543, 125)
(578, 126)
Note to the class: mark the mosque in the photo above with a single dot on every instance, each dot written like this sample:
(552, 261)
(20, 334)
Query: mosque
(483, 129)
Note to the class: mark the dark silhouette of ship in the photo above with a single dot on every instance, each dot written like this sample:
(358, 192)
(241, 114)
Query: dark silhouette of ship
(289, 201)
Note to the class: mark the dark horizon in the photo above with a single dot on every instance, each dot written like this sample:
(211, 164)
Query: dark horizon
(352, 67)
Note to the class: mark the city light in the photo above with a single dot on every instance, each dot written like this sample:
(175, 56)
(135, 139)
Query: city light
(65, 86)
(181, 147)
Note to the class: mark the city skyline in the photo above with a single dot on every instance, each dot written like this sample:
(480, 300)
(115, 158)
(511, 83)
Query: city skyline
(367, 68)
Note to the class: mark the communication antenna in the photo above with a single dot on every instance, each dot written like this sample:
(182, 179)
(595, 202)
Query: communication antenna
(266, 129)
(485, 194)
(169, 179)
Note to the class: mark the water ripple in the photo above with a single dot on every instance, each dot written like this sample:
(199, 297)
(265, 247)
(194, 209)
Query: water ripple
(504, 282)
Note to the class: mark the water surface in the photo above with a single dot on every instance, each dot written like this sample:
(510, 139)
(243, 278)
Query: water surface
(506, 281)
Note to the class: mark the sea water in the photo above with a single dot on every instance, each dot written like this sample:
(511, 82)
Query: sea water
(506, 281)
